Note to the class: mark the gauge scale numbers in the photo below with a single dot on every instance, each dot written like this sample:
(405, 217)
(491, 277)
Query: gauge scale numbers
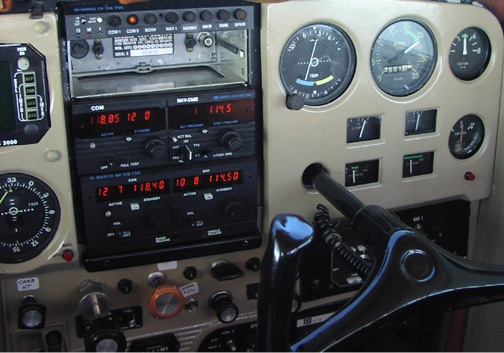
(317, 64)
(29, 217)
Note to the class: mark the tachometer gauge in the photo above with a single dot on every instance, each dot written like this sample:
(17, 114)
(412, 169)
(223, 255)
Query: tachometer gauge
(317, 63)
(29, 217)
(403, 57)
(466, 136)
(469, 54)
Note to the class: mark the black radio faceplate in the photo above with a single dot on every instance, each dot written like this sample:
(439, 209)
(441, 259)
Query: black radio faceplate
(123, 135)
(165, 120)
(159, 208)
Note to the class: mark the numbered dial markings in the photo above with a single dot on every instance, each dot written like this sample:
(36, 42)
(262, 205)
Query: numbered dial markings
(466, 136)
(469, 54)
(29, 217)
(403, 58)
(317, 63)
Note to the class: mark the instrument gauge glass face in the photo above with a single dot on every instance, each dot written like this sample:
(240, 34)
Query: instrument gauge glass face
(403, 58)
(317, 63)
(469, 54)
(29, 217)
(466, 137)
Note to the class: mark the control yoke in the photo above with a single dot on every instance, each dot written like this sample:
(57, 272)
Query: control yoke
(410, 275)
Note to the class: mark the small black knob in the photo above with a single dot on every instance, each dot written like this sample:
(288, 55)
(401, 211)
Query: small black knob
(156, 148)
(206, 15)
(98, 48)
(125, 285)
(160, 219)
(295, 102)
(230, 139)
(54, 341)
(226, 310)
(114, 21)
(223, 15)
(104, 335)
(150, 18)
(253, 264)
(233, 209)
(189, 16)
(190, 273)
(240, 14)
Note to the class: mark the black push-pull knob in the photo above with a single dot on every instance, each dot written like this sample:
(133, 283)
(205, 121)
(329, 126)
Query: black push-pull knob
(31, 314)
(226, 310)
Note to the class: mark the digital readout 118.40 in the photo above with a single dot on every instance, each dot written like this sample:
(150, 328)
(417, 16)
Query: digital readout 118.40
(120, 192)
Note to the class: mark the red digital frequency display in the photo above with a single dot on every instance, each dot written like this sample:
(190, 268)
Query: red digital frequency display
(211, 114)
(113, 123)
(126, 191)
(208, 181)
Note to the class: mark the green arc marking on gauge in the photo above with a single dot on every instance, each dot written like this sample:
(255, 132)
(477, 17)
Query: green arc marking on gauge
(412, 34)
(414, 157)
(355, 168)
(318, 83)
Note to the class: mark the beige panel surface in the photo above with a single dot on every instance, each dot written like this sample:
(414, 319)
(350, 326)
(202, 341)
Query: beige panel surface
(31, 159)
(295, 139)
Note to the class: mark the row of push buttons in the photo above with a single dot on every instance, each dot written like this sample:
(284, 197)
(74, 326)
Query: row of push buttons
(173, 17)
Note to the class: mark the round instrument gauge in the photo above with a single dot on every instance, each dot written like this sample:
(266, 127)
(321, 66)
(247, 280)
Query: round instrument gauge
(29, 217)
(403, 57)
(469, 54)
(317, 64)
(466, 136)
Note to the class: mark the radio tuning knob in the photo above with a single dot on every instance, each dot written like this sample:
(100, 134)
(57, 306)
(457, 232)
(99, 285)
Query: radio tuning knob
(233, 209)
(230, 139)
(160, 219)
(156, 148)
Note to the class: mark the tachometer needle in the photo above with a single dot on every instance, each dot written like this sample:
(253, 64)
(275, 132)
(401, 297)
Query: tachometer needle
(461, 133)
(411, 47)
